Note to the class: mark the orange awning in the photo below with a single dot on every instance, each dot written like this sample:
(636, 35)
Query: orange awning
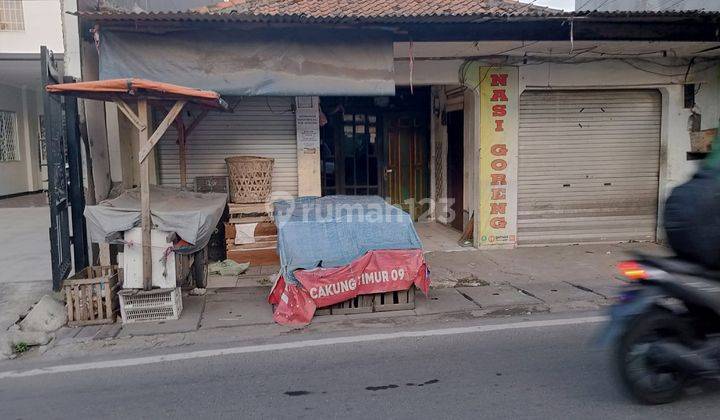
(108, 90)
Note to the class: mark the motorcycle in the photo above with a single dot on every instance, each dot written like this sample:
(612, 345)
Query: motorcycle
(665, 327)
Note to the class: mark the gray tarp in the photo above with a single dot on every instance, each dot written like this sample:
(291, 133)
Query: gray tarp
(193, 216)
(281, 62)
(333, 231)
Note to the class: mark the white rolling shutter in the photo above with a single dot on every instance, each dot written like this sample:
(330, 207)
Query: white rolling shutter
(588, 166)
(259, 126)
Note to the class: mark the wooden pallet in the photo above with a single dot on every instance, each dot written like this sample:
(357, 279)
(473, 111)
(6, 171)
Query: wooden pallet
(395, 301)
(357, 305)
(378, 302)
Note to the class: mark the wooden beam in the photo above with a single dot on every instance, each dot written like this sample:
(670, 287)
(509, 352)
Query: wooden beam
(183, 162)
(130, 114)
(195, 122)
(145, 220)
(146, 148)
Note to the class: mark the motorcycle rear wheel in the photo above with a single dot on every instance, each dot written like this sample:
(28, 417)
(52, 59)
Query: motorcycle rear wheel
(645, 380)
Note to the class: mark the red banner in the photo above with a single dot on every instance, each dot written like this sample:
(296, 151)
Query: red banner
(375, 272)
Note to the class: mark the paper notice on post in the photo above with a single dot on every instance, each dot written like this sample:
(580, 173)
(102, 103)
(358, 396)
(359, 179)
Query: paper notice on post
(307, 119)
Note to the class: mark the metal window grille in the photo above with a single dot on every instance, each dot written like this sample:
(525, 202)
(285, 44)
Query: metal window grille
(11, 15)
(8, 136)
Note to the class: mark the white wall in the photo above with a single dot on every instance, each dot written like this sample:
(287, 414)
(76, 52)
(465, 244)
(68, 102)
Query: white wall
(21, 175)
(43, 26)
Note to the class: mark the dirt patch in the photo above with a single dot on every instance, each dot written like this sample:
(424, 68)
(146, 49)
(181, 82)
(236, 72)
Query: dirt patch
(470, 281)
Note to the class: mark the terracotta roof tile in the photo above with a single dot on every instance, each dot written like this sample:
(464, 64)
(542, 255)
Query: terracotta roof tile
(372, 8)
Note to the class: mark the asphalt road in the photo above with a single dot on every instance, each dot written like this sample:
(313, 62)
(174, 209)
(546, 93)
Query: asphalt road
(543, 372)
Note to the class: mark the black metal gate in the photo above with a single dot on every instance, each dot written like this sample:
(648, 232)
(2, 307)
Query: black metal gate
(65, 185)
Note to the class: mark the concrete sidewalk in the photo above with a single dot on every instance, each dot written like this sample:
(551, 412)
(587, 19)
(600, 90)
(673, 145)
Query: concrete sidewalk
(466, 285)
(25, 274)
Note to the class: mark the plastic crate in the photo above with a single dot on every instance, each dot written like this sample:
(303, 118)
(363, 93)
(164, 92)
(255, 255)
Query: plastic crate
(152, 305)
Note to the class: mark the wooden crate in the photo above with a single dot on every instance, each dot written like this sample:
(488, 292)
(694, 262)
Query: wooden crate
(395, 301)
(91, 296)
(263, 251)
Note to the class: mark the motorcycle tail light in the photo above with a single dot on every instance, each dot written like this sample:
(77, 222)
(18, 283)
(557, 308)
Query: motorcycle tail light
(632, 270)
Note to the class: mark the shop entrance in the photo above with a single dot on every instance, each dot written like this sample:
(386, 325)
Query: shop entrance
(378, 146)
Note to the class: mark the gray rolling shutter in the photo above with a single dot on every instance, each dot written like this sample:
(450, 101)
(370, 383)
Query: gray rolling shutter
(259, 126)
(588, 166)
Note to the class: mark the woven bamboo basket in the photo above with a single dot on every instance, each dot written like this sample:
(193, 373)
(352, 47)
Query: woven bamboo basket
(250, 178)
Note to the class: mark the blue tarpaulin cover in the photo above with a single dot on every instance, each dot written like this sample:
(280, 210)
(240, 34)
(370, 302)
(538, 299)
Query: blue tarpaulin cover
(333, 231)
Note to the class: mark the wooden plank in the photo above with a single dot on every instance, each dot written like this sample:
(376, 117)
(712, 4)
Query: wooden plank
(229, 231)
(145, 221)
(262, 229)
(76, 293)
(88, 299)
(259, 245)
(69, 303)
(196, 121)
(183, 154)
(467, 234)
(84, 281)
(405, 300)
(235, 208)
(246, 220)
(356, 305)
(258, 240)
(147, 146)
(130, 114)
(267, 256)
(266, 229)
(99, 297)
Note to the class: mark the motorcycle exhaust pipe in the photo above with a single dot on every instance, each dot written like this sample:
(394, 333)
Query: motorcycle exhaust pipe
(695, 362)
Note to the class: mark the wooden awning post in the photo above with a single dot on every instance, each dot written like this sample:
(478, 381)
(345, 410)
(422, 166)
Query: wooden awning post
(183, 162)
(147, 143)
(145, 220)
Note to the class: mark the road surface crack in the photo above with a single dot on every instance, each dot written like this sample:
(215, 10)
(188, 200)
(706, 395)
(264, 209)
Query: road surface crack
(586, 289)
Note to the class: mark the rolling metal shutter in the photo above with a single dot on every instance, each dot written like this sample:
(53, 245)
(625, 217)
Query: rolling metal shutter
(589, 163)
(259, 126)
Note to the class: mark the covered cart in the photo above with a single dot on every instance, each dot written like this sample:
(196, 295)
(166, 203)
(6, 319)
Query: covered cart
(190, 215)
(336, 248)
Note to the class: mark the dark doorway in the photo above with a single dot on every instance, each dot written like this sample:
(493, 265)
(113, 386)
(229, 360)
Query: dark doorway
(455, 164)
(350, 148)
(378, 146)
